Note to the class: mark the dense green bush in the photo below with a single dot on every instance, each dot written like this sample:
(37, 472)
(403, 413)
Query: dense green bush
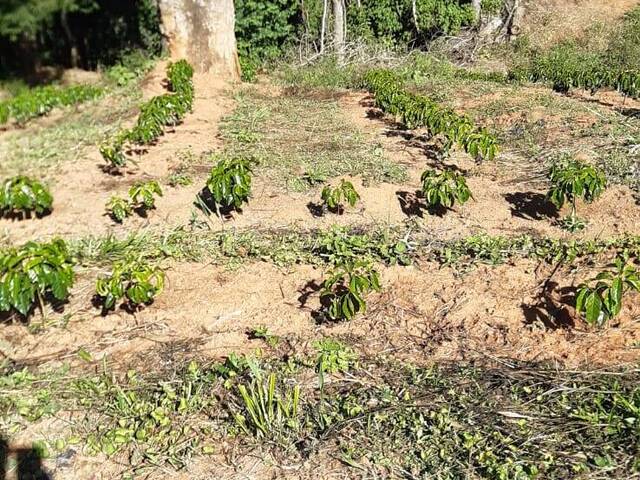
(598, 60)
(265, 28)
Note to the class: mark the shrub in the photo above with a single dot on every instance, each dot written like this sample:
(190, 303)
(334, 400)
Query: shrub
(333, 197)
(345, 288)
(33, 272)
(230, 183)
(603, 301)
(21, 196)
(444, 189)
(572, 179)
(139, 284)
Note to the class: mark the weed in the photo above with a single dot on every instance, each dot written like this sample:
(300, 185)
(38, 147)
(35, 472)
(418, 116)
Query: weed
(263, 332)
(294, 138)
(333, 357)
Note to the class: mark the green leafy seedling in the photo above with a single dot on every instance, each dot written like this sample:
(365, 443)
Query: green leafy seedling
(119, 208)
(445, 188)
(570, 180)
(600, 299)
(230, 183)
(20, 196)
(31, 273)
(346, 287)
(142, 195)
(333, 197)
(135, 282)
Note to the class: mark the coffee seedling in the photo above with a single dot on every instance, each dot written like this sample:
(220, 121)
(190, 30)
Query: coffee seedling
(333, 197)
(119, 208)
(20, 196)
(156, 114)
(416, 111)
(230, 183)
(602, 301)
(346, 287)
(142, 195)
(32, 273)
(572, 179)
(444, 189)
(135, 282)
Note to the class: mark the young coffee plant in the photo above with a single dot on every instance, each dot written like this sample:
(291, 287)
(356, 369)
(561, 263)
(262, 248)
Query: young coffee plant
(230, 183)
(416, 111)
(39, 101)
(445, 188)
(334, 197)
(134, 281)
(572, 179)
(21, 196)
(345, 288)
(119, 208)
(156, 114)
(600, 299)
(142, 195)
(33, 272)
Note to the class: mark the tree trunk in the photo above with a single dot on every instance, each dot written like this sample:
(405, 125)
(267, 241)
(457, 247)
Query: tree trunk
(339, 29)
(203, 32)
(74, 55)
(477, 8)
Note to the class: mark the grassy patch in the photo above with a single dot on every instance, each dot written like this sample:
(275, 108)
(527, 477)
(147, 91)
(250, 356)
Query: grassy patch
(399, 245)
(381, 418)
(299, 138)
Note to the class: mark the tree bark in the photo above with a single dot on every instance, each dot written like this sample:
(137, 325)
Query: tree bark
(203, 32)
(477, 8)
(74, 55)
(339, 32)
